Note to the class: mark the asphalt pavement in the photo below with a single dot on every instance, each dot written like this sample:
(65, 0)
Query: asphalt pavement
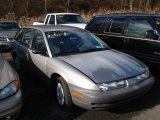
(40, 103)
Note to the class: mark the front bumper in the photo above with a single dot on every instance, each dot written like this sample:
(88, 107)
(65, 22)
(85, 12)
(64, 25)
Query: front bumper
(112, 98)
(11, 106)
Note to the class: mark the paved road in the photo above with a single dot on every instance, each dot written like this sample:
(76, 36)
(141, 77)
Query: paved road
(40, 104)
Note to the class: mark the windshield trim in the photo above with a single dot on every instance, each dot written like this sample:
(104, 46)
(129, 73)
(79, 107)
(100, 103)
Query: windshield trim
(94, 44)
(82, 52)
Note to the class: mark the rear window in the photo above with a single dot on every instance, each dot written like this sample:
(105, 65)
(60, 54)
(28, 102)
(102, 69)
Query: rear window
(6, 26)
(95, 24)
(116, 26)
(67, 19)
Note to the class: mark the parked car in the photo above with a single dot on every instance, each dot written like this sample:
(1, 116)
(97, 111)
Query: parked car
(86, 71)
(10, 93)
(69, 19)
(5, 44)
(135, 34)
(8, 29)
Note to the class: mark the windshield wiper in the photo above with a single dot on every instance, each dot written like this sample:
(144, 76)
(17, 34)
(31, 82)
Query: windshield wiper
(79, 52)
(95, 49)
(66, 53)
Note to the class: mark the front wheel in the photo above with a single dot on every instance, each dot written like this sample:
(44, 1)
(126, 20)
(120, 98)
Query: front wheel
(63, 94)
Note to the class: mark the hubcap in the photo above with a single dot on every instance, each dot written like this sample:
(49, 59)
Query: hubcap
(60, 94)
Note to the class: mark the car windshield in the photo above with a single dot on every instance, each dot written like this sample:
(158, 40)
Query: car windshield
(6, 26)
(73, 42)
(67, 19)
(157, 20)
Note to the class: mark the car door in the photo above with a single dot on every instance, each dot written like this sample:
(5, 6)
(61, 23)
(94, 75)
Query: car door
(39, 59)
(113, 33)
(23, 42)
(136, 42)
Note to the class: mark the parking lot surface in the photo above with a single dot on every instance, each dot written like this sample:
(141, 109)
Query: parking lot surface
(40, 103)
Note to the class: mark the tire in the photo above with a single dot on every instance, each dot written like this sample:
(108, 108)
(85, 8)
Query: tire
(63, 94)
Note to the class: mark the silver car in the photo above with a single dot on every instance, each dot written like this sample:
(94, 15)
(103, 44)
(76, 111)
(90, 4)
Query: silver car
(10, 93)
(8, 29)
(86, 71)
(5, 44)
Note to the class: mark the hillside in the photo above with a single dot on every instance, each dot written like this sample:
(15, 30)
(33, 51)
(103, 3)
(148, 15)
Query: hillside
(31, 10)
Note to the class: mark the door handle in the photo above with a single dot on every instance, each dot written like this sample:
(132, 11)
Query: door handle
(126, 40)
(104, 38)
(157, 53)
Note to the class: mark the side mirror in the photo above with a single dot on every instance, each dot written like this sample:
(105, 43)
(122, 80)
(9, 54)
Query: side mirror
(38, 51)
(152, 34)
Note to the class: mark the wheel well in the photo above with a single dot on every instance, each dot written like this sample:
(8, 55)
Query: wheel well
(54, 76)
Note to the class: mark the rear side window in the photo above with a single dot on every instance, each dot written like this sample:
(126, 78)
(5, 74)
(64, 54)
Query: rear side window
(27, 37)
(95, 24)
(38, 42)
(116, 26)
(138, 27)
(19, 35)
(52, 19)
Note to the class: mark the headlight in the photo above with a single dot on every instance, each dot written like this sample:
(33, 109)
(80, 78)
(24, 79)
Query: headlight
(112, 85)
(10, 89)
(143, 76)
(124, 83)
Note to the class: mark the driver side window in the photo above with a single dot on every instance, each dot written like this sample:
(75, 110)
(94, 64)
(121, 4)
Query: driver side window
(138, 27)
(38, 42)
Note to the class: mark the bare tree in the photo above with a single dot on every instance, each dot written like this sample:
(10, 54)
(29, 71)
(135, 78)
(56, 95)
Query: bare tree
(139, 5)
(27, 6)
(67, 6)
(131, 5)
(10, 3)
(45, 6)
(148, 5)
(122, 4)
(125, 4)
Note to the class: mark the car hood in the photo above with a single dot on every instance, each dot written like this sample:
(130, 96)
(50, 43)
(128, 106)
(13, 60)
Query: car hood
(105, 66)
(79, 25)
(8, 34)
(4, 75)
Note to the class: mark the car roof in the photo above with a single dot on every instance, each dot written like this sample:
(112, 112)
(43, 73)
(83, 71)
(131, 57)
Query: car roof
(45, 28)
(8, 22)
(62, 14)
(129, 15)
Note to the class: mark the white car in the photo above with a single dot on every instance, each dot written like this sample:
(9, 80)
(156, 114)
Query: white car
(69, 19)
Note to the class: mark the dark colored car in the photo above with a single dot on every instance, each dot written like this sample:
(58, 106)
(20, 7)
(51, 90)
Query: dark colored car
(136, 34)
(8, 29)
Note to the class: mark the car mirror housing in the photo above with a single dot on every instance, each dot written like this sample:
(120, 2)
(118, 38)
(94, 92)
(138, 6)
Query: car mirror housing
(152, 34)
(39, 51)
